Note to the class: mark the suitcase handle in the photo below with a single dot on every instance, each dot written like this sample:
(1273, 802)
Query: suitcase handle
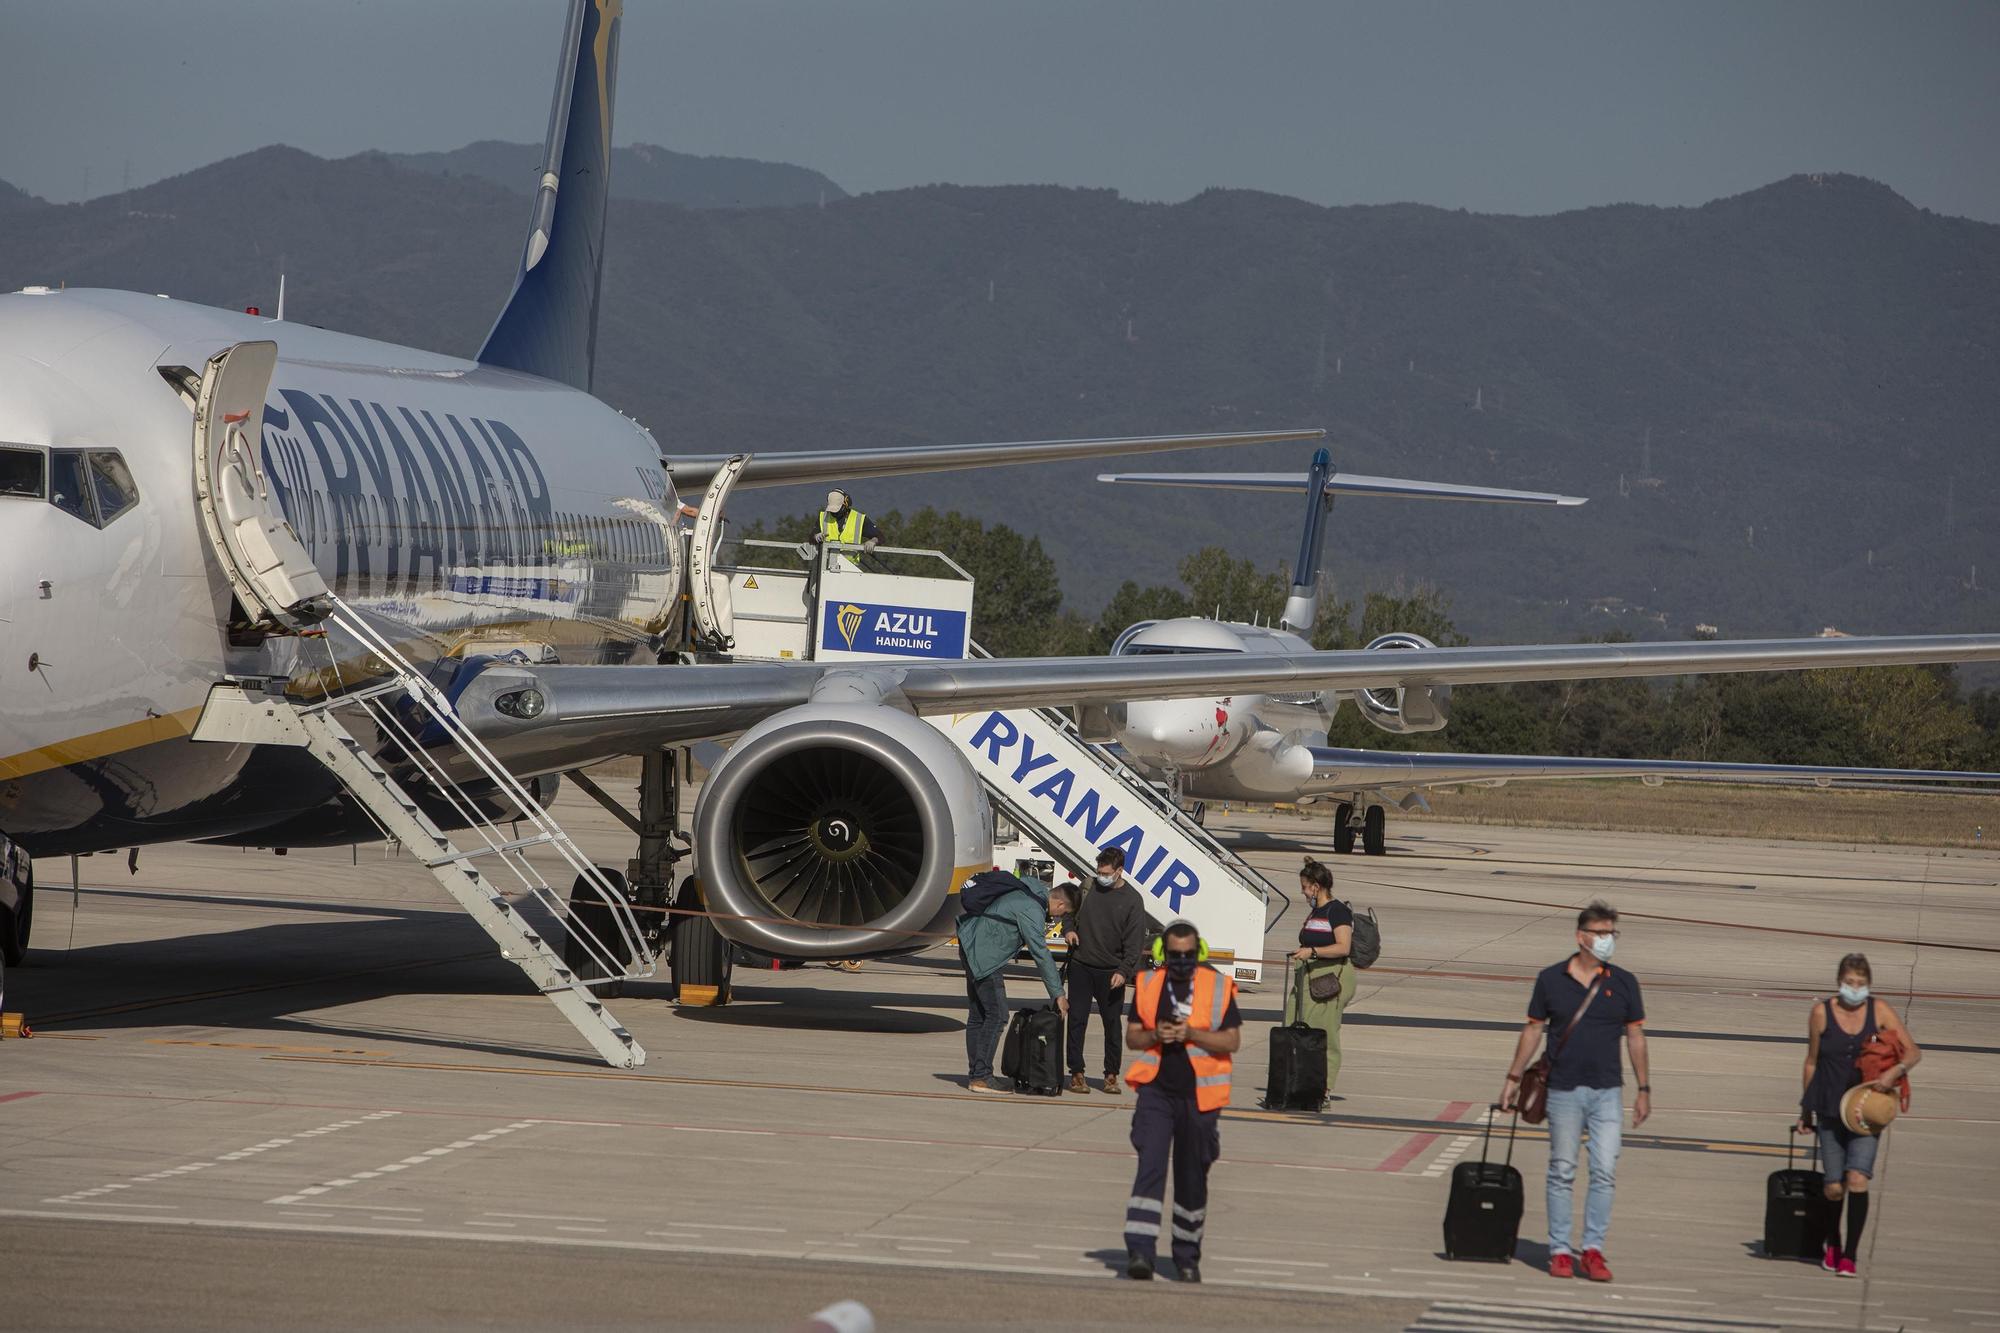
(1512, 1130)
(1791, 1148)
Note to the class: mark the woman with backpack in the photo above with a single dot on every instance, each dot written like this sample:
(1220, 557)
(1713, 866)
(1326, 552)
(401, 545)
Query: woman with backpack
(1325, 977)
(1839, 1034)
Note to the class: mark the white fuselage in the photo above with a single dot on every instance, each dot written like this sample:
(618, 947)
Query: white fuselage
(466, 507)
(1250, 747)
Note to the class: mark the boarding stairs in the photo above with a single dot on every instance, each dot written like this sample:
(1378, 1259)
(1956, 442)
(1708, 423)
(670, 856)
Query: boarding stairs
(781, 611)
(482, 862)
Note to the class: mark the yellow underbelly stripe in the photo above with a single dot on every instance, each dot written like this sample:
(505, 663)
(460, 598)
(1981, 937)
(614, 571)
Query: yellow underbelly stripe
(98, 744)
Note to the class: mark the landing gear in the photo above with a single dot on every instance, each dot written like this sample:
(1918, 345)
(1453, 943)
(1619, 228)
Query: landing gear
(1343, 828)
(592, 914)
(700, 960)
(1198, 812)
(1374, 832)
(15, 926)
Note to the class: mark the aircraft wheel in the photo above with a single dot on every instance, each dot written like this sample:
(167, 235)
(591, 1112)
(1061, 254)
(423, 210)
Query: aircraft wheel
(16, 925)
(595, 915)
(1374, 832)
(700, 961)
(1343, 828)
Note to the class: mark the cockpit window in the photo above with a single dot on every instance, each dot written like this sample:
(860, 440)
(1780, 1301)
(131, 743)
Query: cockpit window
(21, 472)
(112, 483)
(67, 486)
(93, 484)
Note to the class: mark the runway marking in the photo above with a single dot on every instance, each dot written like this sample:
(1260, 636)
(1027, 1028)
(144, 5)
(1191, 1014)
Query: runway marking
(1447, 1159)
(17, 1096)
(1409, 1152)
(342, 1182)
(548, 1217)
(189, 1168)
(261, 1046)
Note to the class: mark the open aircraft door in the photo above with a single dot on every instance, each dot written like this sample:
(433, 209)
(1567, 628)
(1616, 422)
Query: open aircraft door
(714, 618)
(268, 566)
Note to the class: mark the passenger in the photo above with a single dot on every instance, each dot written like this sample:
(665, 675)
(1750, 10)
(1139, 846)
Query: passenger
(1184, 1026)
(1325, 938)
(841, 522)
(1107, 942)
(1000, 916)
(1836, 1030)
(1585, 1003)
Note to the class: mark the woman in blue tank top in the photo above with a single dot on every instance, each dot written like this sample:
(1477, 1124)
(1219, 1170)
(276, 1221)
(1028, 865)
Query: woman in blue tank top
(1835, 1033)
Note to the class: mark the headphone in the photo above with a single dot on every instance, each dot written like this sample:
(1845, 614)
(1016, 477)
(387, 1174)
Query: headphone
(1160, 945)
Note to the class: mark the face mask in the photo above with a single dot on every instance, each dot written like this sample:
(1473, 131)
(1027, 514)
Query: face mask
(1853, 996)
(1181, 966)
(1603, 946)
(1104, 880)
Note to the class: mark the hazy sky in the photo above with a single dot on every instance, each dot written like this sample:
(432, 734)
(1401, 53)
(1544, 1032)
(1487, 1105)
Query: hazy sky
(1528, 106)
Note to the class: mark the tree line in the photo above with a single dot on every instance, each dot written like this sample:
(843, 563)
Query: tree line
(1876, 717)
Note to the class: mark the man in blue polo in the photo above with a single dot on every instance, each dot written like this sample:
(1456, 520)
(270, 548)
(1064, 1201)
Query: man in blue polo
(1585, 1004)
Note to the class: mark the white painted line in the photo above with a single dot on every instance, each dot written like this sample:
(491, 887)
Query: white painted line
(883, 1235)
(1264, 1272)
(719, 1226)
(114, 1203)
(475, 1222)
(188, 1168)
(596, 1231)
(407, 1163)
(1013, 1254)
(547, 1217)
(925, 1249)
(369, 1207)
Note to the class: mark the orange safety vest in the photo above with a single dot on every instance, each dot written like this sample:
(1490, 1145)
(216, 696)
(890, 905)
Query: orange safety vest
(1212, 993)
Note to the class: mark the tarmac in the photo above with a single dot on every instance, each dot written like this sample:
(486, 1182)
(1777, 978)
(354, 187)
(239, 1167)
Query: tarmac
(306, 1091)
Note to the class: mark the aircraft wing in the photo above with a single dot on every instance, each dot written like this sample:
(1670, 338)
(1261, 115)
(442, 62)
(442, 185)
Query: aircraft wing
(1340, 770)
(787, 469)
(1339, 483)
(592, 712)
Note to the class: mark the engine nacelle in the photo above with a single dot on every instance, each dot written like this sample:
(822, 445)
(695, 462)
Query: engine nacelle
(1400, 710)
(838, 831)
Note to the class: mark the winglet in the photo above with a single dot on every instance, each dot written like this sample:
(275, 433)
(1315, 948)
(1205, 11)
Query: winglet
(549, 325)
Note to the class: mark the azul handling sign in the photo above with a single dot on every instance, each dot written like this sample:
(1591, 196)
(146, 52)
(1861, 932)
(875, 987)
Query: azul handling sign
(898, 631)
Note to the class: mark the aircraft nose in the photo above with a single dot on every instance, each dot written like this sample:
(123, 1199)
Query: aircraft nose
(1175, 732)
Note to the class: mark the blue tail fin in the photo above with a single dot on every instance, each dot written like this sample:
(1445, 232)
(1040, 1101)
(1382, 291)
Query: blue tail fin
(549, 327)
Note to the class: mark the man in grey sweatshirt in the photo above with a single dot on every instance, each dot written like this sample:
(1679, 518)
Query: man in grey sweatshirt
(1107, 939)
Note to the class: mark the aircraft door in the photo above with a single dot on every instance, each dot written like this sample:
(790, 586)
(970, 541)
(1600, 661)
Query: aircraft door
(714, 617)
(268, 566)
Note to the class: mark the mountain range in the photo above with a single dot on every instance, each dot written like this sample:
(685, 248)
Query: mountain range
(1781, 405)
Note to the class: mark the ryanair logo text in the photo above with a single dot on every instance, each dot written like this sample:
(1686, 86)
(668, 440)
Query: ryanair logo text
(1074, 799)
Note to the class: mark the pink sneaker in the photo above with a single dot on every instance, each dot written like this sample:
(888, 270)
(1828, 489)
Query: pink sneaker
(1846, 1267)
(1830, 1260)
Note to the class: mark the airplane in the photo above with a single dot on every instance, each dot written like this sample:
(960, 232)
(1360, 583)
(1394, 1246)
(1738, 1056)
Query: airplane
(1258, 747)
(190, 495)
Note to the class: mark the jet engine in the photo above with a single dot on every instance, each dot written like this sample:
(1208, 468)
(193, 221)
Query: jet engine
(837, 831)
(1402, 709)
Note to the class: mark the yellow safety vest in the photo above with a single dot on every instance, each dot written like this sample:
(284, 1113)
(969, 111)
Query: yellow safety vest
(846, 530)
(1212, 993)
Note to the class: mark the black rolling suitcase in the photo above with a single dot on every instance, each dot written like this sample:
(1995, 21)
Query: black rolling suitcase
(1297, 1080)
(1032, 1053)
(1483, 1219)
(1795, 1208)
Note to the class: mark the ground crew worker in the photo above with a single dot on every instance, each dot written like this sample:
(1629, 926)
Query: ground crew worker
(841, 522)
(1184, 1026)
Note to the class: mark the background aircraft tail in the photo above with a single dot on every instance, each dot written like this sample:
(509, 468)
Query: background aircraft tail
(549, 325)
(1319, 486)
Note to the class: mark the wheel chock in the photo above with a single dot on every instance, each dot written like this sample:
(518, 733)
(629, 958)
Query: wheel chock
(15, 1025)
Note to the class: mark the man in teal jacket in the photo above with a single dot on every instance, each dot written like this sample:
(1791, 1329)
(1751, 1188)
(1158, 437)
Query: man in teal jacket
(999, 916)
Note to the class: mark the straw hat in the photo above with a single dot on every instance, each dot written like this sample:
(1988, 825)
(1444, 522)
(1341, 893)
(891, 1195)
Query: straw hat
(1864, 1110)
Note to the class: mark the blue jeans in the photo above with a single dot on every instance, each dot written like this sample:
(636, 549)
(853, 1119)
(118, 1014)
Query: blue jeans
(1571, 1111)
(985, 1021)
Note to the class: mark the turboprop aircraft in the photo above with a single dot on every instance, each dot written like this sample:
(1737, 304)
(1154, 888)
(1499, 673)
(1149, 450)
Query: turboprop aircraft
(1259, 747)
(210, 520)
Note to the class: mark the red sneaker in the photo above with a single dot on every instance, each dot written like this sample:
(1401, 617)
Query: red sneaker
(1561, 1265)
(1847, 1268)
(1594, 1266)
(1830, 1261)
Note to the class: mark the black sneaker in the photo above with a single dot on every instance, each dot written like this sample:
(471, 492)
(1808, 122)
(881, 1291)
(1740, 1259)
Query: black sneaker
(1189, 1272)
(1138, 1267)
